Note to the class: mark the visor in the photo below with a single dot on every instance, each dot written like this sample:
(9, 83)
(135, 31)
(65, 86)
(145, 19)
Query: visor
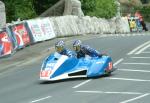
(58, 49)
(76, 48)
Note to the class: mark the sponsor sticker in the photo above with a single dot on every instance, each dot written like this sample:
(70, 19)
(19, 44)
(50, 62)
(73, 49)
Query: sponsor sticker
(45, 73)
(5, 44)
(100, 62)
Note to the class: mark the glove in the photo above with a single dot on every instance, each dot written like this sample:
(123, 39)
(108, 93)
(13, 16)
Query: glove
(102, 54)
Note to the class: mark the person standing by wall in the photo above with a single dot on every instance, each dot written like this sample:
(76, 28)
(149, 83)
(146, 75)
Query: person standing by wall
(138, 14)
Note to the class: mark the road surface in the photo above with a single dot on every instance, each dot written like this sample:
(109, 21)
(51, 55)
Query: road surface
(129, 84)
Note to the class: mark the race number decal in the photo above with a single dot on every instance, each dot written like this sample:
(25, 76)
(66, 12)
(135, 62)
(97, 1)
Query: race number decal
(45, 73)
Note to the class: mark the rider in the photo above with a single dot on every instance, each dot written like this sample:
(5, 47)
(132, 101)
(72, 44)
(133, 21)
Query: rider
(83, 50)
(60, 48)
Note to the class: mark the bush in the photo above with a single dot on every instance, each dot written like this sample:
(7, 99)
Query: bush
(26, 9)
(19, 9)
(99, 8)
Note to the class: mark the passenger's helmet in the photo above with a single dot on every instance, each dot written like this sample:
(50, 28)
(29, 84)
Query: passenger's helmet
(59, 46)
(77, 45)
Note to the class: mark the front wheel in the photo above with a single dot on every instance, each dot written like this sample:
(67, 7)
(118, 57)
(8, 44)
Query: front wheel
(107, 73)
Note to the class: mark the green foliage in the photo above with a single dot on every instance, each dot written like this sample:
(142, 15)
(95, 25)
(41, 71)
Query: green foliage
(10, 12)
(22, 9)
(145, 1)
(145, 11)
(26, 9)
(88, 5)
(41, 5)
(99, 8)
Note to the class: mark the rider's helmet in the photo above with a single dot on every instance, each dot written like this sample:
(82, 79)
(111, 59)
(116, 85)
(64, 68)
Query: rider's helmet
(77, 45)
(59, 46)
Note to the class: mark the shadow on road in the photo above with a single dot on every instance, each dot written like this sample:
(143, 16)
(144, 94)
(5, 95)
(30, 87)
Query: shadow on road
(73, 79)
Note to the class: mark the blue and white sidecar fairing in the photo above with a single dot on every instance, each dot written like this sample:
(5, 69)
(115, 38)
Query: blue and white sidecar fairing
(58, 67)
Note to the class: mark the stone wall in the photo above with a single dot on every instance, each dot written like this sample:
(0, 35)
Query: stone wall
(64, 7)
(2, 15)
(75, 25)
(73, 7)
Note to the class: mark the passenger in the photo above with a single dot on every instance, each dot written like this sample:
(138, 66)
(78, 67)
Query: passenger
(83, 50)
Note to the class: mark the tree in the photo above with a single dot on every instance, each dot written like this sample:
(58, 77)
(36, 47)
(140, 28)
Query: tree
(88, 6)
(99, 8)
(41, 5)
(10, 12)
(22, 9)
(26, 9)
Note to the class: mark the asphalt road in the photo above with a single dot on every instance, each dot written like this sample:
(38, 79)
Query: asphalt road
(129, 84)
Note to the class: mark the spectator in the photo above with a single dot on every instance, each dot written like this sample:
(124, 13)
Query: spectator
(138, 14)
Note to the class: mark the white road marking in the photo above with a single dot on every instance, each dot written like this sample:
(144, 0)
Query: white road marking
(116, 63)
(101, 92)
(141, 57)
(140, 51)
(145, 71)
(146, 52)
(137, 63)
(37, 100)
(129, 79)
(141, 96)
(82, 83)
(139, 47)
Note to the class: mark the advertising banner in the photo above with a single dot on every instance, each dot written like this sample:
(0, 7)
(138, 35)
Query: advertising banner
(41, 29)
(47, 28)
(5, 44)
(35, 30)
(12, 37)
(21, 35)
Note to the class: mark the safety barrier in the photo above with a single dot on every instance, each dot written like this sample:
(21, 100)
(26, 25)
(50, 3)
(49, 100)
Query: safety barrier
(20, 34)
(6, 46)
(40, 29)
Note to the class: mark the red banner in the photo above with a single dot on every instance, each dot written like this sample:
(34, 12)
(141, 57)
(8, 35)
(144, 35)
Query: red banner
(5, 44)
(21, 34)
